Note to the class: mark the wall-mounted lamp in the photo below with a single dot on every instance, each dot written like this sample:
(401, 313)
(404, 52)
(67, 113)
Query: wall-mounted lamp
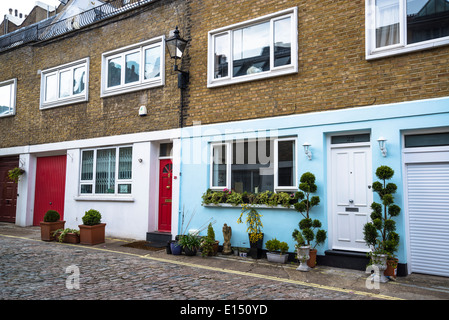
(307, 151)
(382, 145)
(176, 46)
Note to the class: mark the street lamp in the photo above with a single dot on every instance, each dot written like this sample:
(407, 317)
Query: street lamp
(176, 46)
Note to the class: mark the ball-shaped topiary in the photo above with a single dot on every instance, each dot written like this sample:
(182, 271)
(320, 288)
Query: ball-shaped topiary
(51, 216)
(91, 217)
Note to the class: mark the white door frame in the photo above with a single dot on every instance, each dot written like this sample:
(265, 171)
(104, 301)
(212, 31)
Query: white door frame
(330, 204)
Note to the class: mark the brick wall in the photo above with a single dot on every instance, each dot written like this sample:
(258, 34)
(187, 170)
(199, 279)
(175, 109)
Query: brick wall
(99, 116)
(333, 72)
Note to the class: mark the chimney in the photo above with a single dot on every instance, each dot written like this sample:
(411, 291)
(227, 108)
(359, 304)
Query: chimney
(10, 11)
(15, 12)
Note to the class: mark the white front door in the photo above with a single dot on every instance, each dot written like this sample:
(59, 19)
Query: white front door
(351, 196)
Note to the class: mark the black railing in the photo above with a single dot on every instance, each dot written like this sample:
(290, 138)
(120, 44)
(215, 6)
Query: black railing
(45, 29)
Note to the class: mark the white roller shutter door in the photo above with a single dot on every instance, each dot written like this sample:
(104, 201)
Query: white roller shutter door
(428, 214)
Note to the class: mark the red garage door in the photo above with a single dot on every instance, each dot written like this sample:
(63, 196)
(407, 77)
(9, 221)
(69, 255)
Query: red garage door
(8, 190)
(50, 186)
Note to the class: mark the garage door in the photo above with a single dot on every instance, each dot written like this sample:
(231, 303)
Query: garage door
(428, 211)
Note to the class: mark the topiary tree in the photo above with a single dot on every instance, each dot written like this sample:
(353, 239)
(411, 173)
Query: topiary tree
(305, 203)
(380, 233)
(91, 217)
(51, 216)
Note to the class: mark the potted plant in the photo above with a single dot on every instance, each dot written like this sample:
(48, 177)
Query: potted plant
(309, 228)
(254, 230)
(276, 251)
(380, 234)
(92, 231)
(67, 235)
(190, 243)
(50, 224)
(14, 174)
(209, 246)
(302, 251)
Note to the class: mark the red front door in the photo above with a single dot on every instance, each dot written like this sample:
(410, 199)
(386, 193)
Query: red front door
(50, 187)
(8, 190)
(165, 194)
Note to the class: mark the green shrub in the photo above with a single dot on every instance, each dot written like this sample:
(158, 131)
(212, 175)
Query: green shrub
(91, 217)
(51, 216)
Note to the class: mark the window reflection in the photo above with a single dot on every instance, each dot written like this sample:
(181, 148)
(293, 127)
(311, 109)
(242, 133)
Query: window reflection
(221, 56)
(427, 19)
(5, 99)
(282, 42)
(114, 72)
(152, 63)
(79, 80)
(132, 67)
(64, 84)
(251, 49)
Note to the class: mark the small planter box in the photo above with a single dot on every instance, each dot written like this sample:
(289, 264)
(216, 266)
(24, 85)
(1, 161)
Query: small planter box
(92, 235)
(277, 257)
(69, 238)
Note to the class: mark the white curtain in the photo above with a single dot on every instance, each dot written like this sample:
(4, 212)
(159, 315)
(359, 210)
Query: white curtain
(387, 22)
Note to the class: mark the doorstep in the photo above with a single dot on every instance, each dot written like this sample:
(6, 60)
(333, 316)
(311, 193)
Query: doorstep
(158, 239)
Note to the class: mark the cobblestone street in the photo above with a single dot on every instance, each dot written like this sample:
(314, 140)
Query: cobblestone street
(40, 270)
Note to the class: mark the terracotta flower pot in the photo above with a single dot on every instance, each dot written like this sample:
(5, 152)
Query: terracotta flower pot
(48, 228)
(392, 265)
(92, 235)
(312, 260)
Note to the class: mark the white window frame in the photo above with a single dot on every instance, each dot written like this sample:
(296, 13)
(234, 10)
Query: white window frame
(71, 99)
(137, 85)
(371, 52)
(117, 181)
(13, 94)
(229, 157)
(274, 71)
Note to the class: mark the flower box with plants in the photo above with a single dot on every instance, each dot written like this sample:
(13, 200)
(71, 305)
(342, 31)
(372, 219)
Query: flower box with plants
(267, 198)
(67, 235)
(254, 229)
(50, 224)
(380, 234)
(309, 229)
(92, 231)
(276, 251)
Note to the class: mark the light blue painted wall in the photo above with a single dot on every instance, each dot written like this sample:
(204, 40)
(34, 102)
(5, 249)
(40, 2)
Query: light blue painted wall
(389, 121)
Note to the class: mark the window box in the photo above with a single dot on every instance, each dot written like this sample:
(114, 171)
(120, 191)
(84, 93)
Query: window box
(8, 91)
(256, 49)
(132, 68)
(107, 173)
(401, 26)
(66, 84)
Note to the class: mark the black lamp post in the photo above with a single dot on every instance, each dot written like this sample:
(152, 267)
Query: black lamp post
(176, 46)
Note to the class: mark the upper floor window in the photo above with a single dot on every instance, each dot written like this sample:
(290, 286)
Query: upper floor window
(65, 84)
(135, 67)
(255, 49)
(8, 97)
(398, 26)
